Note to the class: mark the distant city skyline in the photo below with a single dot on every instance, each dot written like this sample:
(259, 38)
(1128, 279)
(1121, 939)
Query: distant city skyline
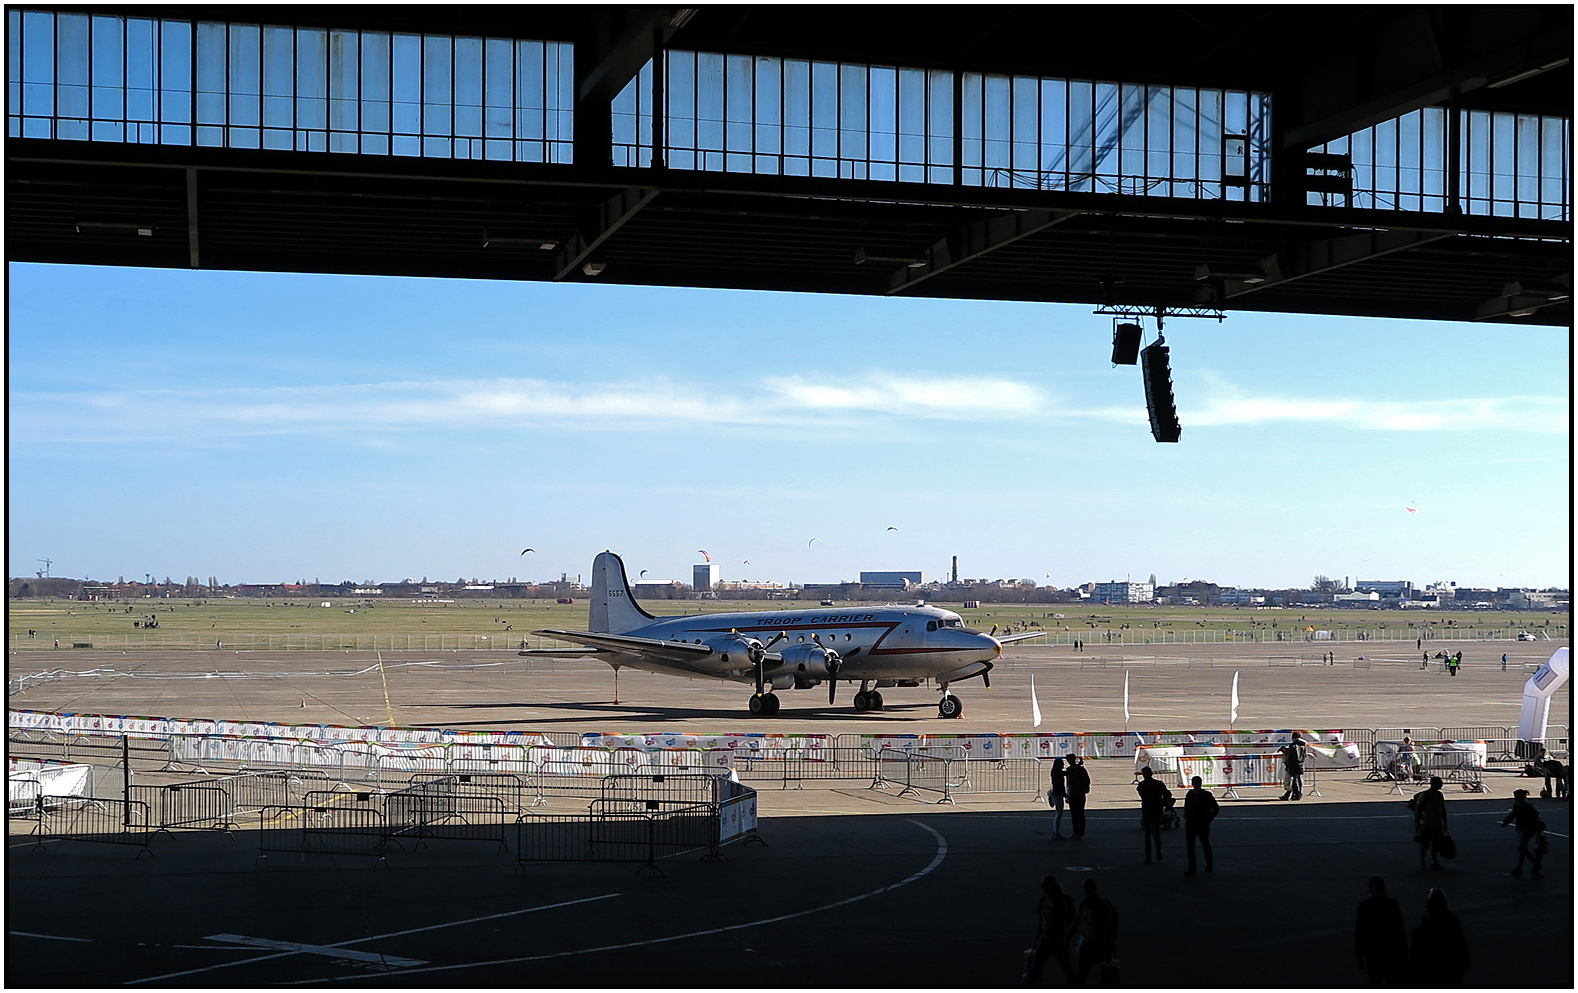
(259, 425)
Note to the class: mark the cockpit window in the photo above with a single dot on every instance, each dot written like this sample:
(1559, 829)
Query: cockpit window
(931, 625)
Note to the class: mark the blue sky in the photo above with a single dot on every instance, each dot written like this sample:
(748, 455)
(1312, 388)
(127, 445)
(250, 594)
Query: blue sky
(265, 427)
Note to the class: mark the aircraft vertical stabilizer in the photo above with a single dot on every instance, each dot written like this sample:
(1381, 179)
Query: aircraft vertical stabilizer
(614, 610)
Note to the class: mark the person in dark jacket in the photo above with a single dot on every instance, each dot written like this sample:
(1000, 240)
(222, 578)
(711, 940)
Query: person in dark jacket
(1526, 819)
(1153, 800)
(1294, 754)
(1054, 917)
(1200, 808)
(1440, 952)
(1380, 938)
(1057, 795)
(1430, 822)
(1094, 936)
(1078, 790)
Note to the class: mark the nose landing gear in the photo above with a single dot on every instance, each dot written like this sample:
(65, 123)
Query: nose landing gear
(949, 706)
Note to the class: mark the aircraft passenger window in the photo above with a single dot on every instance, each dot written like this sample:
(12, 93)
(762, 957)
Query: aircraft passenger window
(848, 637)
(931, 625)
(801, 638)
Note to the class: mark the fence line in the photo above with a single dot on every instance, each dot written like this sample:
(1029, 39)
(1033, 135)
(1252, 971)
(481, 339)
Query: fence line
(511, 641)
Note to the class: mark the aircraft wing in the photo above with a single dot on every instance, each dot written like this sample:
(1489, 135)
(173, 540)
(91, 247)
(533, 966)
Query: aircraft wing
(1008, 639)
(654, 649)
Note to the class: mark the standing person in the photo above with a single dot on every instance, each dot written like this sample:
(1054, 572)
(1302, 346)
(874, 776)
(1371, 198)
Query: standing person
(1440, 955)
(1294, 754)
(1078, 790)
(1200, 808)
(1153, 800)
(1424, 663)
(1379, 936)
(1054, 917)
(1503, 661)
(1419, 643)
(1094, 937)
(1430, 822)
(1526, 819)
(1406, 760)
(1056, 795)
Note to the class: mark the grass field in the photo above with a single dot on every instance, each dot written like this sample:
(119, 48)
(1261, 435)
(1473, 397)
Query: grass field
(200, 623)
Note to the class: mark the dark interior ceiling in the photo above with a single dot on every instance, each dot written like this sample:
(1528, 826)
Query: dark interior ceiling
(1331, 70)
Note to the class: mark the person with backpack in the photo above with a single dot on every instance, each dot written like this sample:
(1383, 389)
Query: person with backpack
(1200, 809)
(1054, 918)
(1056, 796)
(1430, 823)
(1153, 800)
(1531, 832)
(1294, 754)
(1078, 790)
(1093, 939)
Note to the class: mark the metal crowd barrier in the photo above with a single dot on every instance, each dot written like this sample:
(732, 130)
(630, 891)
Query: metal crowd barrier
(187, 805)
(1235, 772)
(328, 828)
(111, 822)
(426, 815)
(914, 772)
(511, 790)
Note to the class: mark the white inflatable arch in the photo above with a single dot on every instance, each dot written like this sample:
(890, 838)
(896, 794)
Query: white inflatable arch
(1537, 693)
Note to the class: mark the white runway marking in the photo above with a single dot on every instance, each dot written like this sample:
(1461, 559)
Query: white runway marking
(942, 852)
(329, 950)
(51, 937)
(375, 937)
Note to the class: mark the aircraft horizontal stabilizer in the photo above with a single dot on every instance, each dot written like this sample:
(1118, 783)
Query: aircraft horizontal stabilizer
(652, 648)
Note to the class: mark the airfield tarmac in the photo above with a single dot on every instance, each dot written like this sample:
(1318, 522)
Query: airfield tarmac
(855, 888)
(1171, 687)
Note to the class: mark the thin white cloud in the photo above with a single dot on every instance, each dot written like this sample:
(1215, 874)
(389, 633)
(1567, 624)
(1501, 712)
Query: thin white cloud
(658, 403)
(1541, 415)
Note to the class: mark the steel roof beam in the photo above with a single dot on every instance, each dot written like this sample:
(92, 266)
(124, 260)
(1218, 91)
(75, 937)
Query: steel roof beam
(1316, 257)
(971, 241)
(610, 216)
(1421, 59)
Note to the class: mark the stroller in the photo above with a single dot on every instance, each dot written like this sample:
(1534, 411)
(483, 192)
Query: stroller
(1170, 816)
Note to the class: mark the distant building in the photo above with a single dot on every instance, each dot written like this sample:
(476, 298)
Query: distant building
(892, 580)
(1373, 596)
(1125, 592)
(1389, 588)
(704, 577)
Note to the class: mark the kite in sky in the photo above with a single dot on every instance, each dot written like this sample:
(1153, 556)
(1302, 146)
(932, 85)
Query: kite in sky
(892, 529)
(704, 554)
(529, 550)
(809, 543)
(1411, 510)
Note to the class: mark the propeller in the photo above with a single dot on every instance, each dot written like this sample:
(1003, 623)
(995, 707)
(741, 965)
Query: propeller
(994, 631)
(833, 663)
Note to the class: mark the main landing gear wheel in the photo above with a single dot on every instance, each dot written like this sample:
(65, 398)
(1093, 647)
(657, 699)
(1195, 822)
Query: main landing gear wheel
(764, 704)
(949, 707)
(868, 700)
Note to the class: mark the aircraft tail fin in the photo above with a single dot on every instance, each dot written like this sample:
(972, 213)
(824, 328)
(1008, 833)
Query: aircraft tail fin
(614, 609)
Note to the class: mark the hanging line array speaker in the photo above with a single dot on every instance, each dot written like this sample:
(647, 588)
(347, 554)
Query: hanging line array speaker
(1159, 393)
(1125, 344)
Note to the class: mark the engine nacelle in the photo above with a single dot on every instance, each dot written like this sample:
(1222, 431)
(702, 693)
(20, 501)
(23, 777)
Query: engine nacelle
(810, 661)
(733, 651)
